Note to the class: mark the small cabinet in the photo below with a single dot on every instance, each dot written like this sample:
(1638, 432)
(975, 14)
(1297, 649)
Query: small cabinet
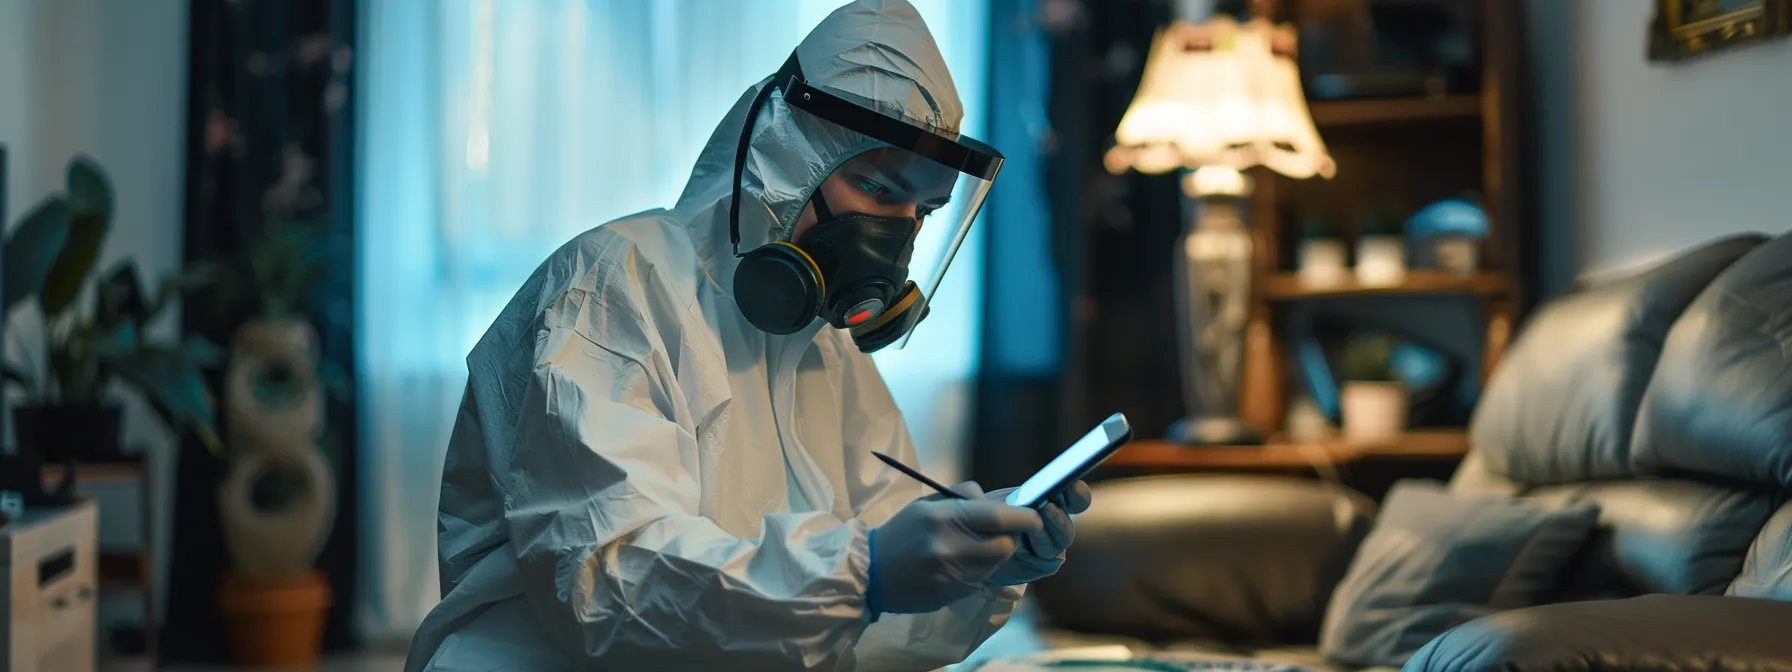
(50, 591)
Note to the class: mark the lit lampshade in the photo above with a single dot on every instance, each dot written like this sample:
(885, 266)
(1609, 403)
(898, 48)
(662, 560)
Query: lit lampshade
(1222, 94)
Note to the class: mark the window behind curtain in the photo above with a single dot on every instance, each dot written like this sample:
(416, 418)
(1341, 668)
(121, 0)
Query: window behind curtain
(494, 131)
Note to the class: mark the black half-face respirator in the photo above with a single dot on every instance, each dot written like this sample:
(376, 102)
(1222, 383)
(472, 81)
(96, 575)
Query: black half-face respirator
(851, 268)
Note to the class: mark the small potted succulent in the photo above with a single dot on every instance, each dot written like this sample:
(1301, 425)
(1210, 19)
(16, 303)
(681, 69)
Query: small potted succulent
(1374, 399)
(69, 413)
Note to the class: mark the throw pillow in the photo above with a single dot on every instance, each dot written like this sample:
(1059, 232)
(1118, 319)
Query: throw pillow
(1436, 560)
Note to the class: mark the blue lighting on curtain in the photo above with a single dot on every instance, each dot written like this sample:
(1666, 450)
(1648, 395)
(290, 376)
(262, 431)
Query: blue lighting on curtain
(495, 130)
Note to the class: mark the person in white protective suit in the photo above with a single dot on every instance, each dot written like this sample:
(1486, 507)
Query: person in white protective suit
(663, 458)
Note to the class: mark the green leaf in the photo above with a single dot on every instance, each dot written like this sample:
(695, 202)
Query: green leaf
(180, 283)
(32, 249)
(119, 296)
(89, 190)
(90, 218)
(170, 379)
(196, 276)
(202, 352)
(118, 342)
(1368, 357)
(80, 375)
(20, 376)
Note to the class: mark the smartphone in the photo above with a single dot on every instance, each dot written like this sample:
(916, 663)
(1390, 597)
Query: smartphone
(1074, 463)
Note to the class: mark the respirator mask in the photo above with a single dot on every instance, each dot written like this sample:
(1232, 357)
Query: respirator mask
(852, 268)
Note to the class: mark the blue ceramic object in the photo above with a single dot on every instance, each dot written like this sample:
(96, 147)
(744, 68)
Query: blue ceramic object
(1454, 216)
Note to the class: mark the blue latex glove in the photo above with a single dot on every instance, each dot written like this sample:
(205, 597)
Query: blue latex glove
(1041, 552)
(936, 551)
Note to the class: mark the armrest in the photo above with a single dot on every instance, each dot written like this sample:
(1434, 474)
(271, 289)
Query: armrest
(1242, 560)
(1653, 632)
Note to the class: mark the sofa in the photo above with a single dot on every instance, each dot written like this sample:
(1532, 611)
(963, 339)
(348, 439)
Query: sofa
(1663, 400)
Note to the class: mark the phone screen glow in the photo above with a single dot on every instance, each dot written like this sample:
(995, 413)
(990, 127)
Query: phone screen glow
(1066, 463)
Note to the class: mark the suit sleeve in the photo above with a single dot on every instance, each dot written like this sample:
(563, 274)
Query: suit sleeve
(905, 641)
(599, 494)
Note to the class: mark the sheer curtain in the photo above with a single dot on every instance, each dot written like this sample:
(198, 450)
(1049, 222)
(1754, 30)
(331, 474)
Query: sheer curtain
(493, 131)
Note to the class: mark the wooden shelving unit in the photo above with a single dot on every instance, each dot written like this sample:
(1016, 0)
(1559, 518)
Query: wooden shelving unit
(1290, 287)
(1401, 153)
(1412, 151)
(1286, 456)
(1393, 110)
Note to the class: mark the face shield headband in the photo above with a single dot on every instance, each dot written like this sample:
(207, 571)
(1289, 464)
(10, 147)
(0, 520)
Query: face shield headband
(961, 153)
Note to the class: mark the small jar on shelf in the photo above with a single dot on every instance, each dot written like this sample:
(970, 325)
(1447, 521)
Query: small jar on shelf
(1324, 258)
(1448, 235)
(1381, 249)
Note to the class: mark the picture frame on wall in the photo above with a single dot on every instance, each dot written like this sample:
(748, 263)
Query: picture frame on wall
(1684, 29)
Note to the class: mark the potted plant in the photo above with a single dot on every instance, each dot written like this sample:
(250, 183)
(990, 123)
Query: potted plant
(69, 414)
(1373, 401)
(277, 498)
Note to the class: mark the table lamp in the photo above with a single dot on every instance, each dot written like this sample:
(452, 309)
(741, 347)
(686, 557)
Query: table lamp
(1218, 98)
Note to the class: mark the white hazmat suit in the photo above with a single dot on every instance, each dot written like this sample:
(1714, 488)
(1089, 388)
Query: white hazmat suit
(639, 479)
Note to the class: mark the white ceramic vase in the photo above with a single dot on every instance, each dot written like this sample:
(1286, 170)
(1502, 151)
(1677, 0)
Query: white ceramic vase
(272, 397)
(1323, 262)
(1374, 412)
(268, 544)
(1381, 261)
(274, 409)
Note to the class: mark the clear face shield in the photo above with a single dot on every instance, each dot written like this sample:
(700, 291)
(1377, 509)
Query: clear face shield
(887, 228)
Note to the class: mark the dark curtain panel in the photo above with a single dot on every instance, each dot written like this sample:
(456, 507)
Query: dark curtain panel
(1120, 229)
(1077, 312)
(1115, 232)
(270, 135)
(1016, 426)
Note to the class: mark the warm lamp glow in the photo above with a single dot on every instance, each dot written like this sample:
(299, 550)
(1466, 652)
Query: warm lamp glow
(1216, 181)
(1220, 94)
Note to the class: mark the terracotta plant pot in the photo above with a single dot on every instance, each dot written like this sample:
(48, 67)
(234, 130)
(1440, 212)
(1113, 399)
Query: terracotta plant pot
(275, 624)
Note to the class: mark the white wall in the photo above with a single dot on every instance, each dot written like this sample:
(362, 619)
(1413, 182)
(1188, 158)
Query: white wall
(1641, 159)
(106, 78)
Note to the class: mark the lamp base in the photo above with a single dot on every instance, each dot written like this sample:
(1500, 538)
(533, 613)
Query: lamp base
(1213, 431)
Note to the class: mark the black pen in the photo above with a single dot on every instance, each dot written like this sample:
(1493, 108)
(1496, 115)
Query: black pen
(954, 494)
(1025, 540)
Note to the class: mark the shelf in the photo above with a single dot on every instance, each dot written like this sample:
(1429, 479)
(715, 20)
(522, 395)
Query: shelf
(1288, 286)
(1392, 110)
(1281, 456)
(101, 472)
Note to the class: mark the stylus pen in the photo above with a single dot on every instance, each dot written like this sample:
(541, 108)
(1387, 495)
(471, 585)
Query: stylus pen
(954, 494)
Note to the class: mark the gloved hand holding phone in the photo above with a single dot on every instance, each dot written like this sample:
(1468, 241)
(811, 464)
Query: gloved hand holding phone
(1041, 552)
(936, 551)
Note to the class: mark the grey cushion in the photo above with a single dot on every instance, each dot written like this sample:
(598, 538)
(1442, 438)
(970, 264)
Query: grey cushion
(1662, 536)
(1562, 404)
(1436, 560)
(1718, 402)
